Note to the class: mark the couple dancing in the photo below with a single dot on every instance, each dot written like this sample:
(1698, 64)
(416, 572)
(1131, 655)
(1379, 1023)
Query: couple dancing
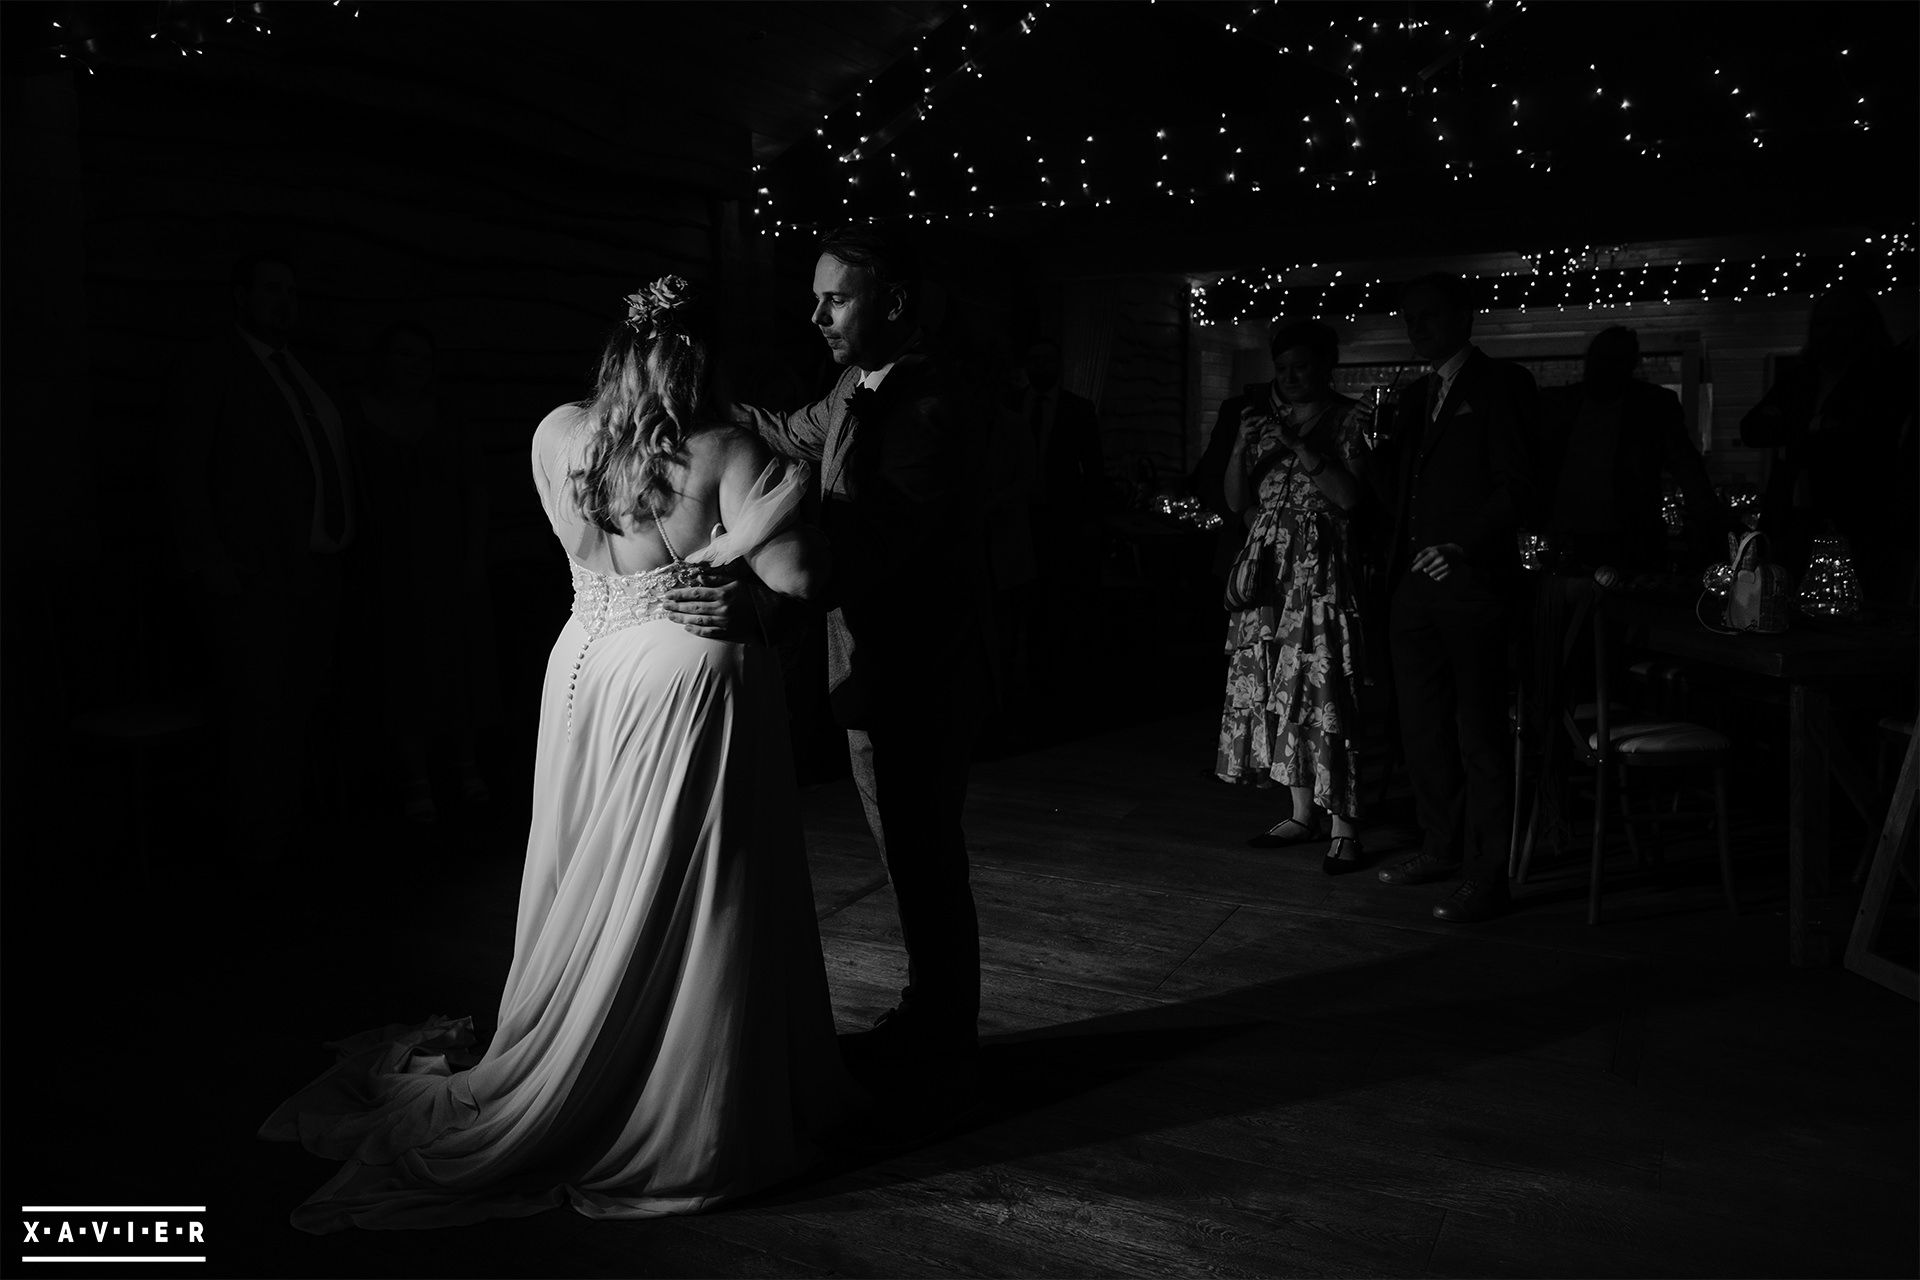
(665, 1041)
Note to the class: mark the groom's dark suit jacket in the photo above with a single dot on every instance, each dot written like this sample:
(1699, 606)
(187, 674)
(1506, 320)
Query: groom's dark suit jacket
(901, 479)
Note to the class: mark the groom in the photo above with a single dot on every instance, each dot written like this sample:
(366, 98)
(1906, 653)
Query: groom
(899, 449)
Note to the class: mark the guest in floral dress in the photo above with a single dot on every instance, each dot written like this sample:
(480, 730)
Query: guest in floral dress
(1293, 640)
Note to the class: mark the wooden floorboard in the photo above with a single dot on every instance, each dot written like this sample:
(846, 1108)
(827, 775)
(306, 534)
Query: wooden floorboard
(1200, 1059)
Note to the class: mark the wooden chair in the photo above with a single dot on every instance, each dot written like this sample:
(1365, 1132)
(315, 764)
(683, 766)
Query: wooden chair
(1616, 744)
(1896, 739)
(1890, 967)
(1544, 660)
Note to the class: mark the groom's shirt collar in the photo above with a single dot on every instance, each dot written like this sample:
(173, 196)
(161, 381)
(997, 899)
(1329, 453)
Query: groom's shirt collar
(872, 378)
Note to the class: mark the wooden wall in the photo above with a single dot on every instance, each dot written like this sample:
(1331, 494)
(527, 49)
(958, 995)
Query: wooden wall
(1144, 403)
(511, 231)
(1166, 377)
(1736, 340)
(516, 266)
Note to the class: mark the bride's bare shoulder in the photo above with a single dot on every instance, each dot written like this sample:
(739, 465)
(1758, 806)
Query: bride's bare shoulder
(553, 445)
(559, 426)
(715, 447)
(558, 436)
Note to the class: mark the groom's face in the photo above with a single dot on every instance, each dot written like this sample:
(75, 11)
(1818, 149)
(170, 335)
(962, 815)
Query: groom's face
(859, 320)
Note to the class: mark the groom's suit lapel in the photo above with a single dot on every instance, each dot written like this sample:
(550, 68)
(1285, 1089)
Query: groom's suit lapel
(860, 419)
(839, 442)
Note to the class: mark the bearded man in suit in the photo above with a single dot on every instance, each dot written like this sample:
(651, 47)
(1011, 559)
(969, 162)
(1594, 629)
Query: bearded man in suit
(1458, 465)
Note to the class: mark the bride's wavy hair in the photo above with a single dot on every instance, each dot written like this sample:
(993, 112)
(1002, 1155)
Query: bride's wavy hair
(657, 379)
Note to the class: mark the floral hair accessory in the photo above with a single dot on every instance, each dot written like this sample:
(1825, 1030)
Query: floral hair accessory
(655, 310)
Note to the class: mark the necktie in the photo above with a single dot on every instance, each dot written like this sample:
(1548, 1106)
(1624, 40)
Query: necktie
(333, 501)
(1037, 415)
(1433, 395)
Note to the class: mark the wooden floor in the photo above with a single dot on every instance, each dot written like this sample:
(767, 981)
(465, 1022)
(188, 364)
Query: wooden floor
(1199, 1059)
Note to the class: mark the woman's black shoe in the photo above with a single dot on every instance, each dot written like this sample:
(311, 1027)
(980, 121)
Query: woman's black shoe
(1335, 865)
(1283, 833)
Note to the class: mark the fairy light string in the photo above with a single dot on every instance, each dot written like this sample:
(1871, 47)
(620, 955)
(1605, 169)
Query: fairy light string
(1468, 83)
(92, 38)
(1572, 277)
(1481, 105)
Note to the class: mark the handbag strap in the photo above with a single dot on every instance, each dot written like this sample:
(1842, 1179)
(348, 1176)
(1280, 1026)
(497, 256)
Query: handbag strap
(1269, 462)
(1292, 457)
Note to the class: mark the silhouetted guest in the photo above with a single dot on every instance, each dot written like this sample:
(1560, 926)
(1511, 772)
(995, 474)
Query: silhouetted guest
(1457, 464)
(1071, 485)
(264, 499)
(1012, 466)
(1604, 443)
(1840, 422)
(1292, 707)
(1064, 513)
(423, 471)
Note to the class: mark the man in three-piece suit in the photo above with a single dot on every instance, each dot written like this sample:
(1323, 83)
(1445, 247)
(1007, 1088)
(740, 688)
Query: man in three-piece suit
(900, 444)
(263, 500)
(1457, 463)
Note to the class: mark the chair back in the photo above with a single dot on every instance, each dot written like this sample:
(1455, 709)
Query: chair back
(1574, 611)
(1599, 616)
(1594, 622)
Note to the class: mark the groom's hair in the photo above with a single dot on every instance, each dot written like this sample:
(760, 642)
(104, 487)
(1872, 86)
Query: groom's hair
(886, 253)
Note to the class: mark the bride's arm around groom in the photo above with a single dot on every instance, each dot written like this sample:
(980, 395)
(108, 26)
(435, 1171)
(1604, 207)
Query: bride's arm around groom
(754, 486)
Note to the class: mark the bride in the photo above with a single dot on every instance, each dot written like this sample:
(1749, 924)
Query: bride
(664, 1040)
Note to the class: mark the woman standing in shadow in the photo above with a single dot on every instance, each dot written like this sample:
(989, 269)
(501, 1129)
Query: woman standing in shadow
(1293, 640)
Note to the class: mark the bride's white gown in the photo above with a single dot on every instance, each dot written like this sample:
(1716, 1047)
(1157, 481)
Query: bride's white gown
(665, 1040)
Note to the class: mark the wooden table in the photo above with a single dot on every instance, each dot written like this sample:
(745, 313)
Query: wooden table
(1811, 658)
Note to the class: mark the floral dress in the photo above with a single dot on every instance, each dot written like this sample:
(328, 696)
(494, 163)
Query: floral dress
(1293, 658)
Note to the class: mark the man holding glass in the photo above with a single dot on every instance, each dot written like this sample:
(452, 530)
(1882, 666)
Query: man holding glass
(1457, 472)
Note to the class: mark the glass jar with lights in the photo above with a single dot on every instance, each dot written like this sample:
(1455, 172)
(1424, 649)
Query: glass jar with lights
(1830, 588)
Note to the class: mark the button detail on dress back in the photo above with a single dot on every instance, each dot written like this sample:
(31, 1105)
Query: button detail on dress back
(604, 603)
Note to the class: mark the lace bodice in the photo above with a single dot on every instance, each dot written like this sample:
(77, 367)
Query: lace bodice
(604, 603)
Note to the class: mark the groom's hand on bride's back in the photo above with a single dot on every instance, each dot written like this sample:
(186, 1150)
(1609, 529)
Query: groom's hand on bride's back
(720, 607)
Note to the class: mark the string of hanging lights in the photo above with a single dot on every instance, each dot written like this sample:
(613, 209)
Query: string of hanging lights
(88, 37)
(1475, 105)
(1588, 276)
(1475, 115)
